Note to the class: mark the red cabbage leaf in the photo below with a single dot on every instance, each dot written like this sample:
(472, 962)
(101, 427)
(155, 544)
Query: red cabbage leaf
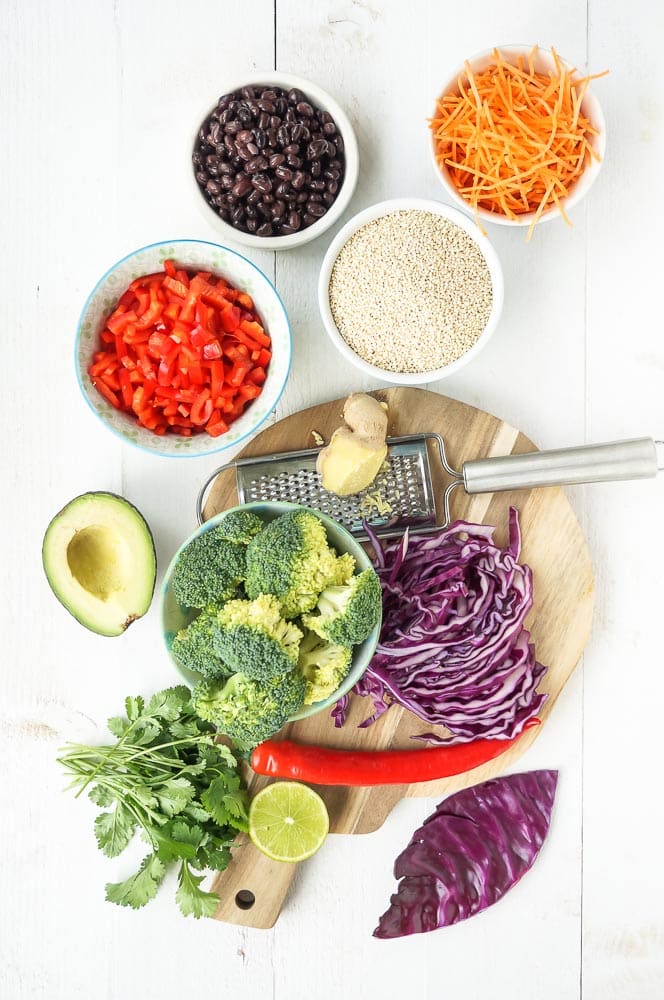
(470, 852)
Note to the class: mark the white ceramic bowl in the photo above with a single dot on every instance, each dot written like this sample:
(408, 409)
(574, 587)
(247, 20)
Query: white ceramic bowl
(385, 208)
(174, 616)
(322, 100)
(543, 62)
(193, 255)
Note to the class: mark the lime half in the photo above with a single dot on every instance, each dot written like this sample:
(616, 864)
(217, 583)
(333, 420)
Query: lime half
(288, 821)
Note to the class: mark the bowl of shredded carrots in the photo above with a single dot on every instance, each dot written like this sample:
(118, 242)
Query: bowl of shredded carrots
(517, 136)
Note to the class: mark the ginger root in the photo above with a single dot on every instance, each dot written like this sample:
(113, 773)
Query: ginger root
(356, 452)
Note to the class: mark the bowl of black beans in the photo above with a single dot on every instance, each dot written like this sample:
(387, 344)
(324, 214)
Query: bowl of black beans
(275, 162)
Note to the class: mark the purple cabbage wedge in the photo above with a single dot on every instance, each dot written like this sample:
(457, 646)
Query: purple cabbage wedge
(470, 852)
(452, 648)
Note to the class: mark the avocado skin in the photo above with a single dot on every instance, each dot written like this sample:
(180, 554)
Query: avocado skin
(74, 612)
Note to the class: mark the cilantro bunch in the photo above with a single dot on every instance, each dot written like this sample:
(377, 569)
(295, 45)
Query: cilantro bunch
(168, 780)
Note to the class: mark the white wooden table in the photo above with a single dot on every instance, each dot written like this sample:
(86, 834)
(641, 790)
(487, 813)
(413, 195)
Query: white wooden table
(98, 103)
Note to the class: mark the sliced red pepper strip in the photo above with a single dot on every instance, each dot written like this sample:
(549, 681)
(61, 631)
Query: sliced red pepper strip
(364, 768)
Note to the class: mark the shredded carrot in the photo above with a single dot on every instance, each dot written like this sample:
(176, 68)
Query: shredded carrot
(515, 141)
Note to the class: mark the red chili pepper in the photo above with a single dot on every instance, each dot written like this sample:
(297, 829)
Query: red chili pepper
(325, 766)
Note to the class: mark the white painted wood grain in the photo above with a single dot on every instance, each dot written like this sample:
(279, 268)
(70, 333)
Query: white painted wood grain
(98, 104)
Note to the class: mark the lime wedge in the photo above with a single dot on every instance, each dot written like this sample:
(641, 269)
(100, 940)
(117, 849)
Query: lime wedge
(288, 821)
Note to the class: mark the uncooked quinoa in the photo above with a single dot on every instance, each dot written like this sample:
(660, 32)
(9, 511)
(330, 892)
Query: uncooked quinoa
(410, 291)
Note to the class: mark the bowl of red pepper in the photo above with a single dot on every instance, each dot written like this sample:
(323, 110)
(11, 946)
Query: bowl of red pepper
(183, 348)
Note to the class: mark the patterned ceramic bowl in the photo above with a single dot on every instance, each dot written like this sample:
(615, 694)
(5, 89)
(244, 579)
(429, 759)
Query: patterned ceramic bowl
(195, 255)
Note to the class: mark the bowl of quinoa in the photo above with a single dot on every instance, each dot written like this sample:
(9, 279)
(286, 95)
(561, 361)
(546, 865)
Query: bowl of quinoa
(410, 291)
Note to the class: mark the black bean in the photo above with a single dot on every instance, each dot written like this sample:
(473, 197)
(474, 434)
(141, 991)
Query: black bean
(317, 185)
(253, 148)
(251, 212)
(284, 173)
(294, 161)
(201, 176)
(316, 148)
(248, 92)
(294, 96)
(275, 121)
(316, 168)
(225, 167)
(291, 148)
(283, 136)
(269, 95)
(272, 137)
(278, 209)
(244, 115)
(304, 108)
(212, 187)
(262, 183)
(294, 220)
(233, 127)
(332, 187)
(196, 159)
(302, 198)
(265, 229)
(223, 102)
(308, 219)
(241, 187)
(255, 164)
(237, 215)
(252, 225)
(225, 115)
(263, 120)
(266, 106)
(282, 189)
(227, 181)
(229, 144)
(329, 199)
(329, 128)
(315, 196)
(261, 139)
(276, 160)
(245, 154)
(254, 197)
(333, 175)
(299, 179)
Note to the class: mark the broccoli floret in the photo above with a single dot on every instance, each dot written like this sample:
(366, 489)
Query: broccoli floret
(254, 638)
(348, 613)
(324, 665)
(291, 559)
(193, 646)
(239, 526)
(246, 710)
(209, 570)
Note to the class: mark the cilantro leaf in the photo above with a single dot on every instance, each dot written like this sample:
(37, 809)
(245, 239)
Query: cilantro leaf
(217, 857)
(140, 888)
(226, 802)
(102, 796)
(169, 704)
(174, 794)
(114, 830)
(192, 900)
(118, 725)
(178, 840)
(134, 707)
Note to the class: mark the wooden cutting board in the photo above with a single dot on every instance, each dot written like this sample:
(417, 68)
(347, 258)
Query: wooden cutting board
(560, 622)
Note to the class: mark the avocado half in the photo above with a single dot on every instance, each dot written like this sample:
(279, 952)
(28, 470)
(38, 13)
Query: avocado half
(99, 559)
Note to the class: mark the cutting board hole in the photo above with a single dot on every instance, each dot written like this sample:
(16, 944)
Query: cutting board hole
(245, 899)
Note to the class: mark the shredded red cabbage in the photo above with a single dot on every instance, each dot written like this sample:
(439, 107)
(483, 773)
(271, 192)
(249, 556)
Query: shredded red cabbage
(452, 647)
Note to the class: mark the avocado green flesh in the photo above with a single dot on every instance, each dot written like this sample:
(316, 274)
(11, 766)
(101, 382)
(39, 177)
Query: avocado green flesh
(99, 559)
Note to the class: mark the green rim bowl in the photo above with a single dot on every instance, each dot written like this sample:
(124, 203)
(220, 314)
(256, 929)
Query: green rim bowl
(194, 255)
(175, 616)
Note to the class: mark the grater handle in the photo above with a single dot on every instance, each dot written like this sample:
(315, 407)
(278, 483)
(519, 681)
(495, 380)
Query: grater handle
(202, 493)
(639, 458)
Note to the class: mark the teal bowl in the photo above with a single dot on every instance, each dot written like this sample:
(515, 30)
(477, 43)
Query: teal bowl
(174, 616)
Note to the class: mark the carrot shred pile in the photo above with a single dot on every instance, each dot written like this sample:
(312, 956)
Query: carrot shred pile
(515, 141)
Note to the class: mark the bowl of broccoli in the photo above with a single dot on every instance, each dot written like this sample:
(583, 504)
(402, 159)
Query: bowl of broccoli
(270, 612)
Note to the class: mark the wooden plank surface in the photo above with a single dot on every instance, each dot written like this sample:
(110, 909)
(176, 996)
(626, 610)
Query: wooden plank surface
(553, 546)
